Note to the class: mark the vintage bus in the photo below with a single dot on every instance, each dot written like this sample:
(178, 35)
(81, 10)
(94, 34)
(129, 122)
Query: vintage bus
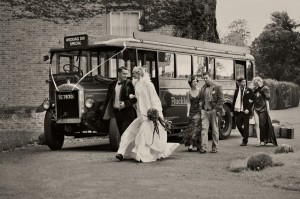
(81, 70)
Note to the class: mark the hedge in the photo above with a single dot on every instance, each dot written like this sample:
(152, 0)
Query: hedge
(283, 94)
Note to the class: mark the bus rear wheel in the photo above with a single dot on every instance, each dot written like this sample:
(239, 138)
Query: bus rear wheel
(114, 135)
(54, 137)
(225, 123)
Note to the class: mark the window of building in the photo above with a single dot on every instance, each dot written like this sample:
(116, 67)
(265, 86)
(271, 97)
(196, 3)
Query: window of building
(183, 66)
(123, 22)
(224, 69)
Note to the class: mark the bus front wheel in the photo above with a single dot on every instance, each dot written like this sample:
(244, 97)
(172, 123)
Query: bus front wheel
(225, 123)
(54, 137)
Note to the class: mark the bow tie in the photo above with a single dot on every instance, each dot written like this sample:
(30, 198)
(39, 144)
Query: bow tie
(119, 83)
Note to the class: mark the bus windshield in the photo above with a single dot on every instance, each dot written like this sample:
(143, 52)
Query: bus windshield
(102, 62)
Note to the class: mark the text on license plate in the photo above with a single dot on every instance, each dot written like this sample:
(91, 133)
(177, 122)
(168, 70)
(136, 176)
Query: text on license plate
(66, 97)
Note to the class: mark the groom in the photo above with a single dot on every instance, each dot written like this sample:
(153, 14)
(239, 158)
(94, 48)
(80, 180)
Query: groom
(118, 103)
(242, 108)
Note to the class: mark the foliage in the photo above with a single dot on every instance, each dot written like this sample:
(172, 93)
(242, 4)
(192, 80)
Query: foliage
(284, 148)
(259, 161)
(283, 94)
(277, 50)
(193, 19)
(56, 10)
(238, 34)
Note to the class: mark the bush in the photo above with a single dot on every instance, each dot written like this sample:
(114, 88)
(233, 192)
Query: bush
(283, 94)
(259, 161)
(284, 148)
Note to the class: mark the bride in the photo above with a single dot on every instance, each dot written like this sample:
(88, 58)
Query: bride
(139, 140)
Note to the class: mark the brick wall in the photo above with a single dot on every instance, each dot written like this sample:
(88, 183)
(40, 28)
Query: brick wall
(22, 71)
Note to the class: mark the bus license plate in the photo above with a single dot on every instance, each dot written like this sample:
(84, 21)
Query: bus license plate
(66, 97)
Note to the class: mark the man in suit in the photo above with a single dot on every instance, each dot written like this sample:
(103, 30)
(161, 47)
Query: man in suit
(242, 108)
(211, 103)
(118, 102)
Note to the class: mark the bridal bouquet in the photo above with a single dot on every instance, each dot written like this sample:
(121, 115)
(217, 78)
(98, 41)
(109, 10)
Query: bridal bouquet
(153, 115)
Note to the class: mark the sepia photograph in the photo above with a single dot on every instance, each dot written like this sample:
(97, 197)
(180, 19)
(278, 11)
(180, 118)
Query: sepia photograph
(139, 99)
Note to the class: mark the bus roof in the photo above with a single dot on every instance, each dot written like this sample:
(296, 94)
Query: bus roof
(153, 41)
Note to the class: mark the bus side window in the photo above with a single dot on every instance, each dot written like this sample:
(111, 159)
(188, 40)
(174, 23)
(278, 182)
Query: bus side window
(240, 67)
(224, 69)
(199, 65)
(94, 62)
(211, 67)
(166, 65)
(147, 59)
(109, 68)
(112, 67)
(250, 72)
(102, 67)
(183, 66)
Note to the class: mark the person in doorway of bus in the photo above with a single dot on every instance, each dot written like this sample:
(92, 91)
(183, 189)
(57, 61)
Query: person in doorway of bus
(242, 108)
(192, 134)
(211, 102)
(143, 140)
(118, 103)
(263, 124)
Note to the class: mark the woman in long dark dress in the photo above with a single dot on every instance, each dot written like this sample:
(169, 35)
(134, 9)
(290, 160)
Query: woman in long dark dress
(192, 134)
(263, 124)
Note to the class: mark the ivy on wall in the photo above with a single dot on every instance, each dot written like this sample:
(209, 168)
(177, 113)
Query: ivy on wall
(194, 19)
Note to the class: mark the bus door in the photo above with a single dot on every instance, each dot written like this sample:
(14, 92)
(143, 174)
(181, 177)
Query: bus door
(148, 59)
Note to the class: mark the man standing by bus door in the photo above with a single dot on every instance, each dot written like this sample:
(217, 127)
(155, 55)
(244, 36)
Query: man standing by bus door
(118, 103)
(211, 103)
(242, 108)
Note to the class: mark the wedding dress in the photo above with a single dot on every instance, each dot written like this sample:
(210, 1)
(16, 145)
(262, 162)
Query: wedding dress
(138, 141)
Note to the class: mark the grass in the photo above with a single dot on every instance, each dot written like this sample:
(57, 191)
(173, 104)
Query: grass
(285, 177)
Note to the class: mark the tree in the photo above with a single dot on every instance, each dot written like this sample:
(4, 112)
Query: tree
(195, 19)
(277, 50)
(238, 34)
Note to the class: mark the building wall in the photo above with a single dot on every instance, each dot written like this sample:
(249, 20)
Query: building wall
(22, 70)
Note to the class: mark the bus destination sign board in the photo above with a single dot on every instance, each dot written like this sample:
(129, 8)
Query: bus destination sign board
(76, 41)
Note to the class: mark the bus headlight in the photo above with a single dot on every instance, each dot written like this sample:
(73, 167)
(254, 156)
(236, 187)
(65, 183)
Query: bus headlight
(46, 104)
(89, 103)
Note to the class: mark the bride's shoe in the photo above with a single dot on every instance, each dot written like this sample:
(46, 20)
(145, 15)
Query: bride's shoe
(190, 148)
(258, 144)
